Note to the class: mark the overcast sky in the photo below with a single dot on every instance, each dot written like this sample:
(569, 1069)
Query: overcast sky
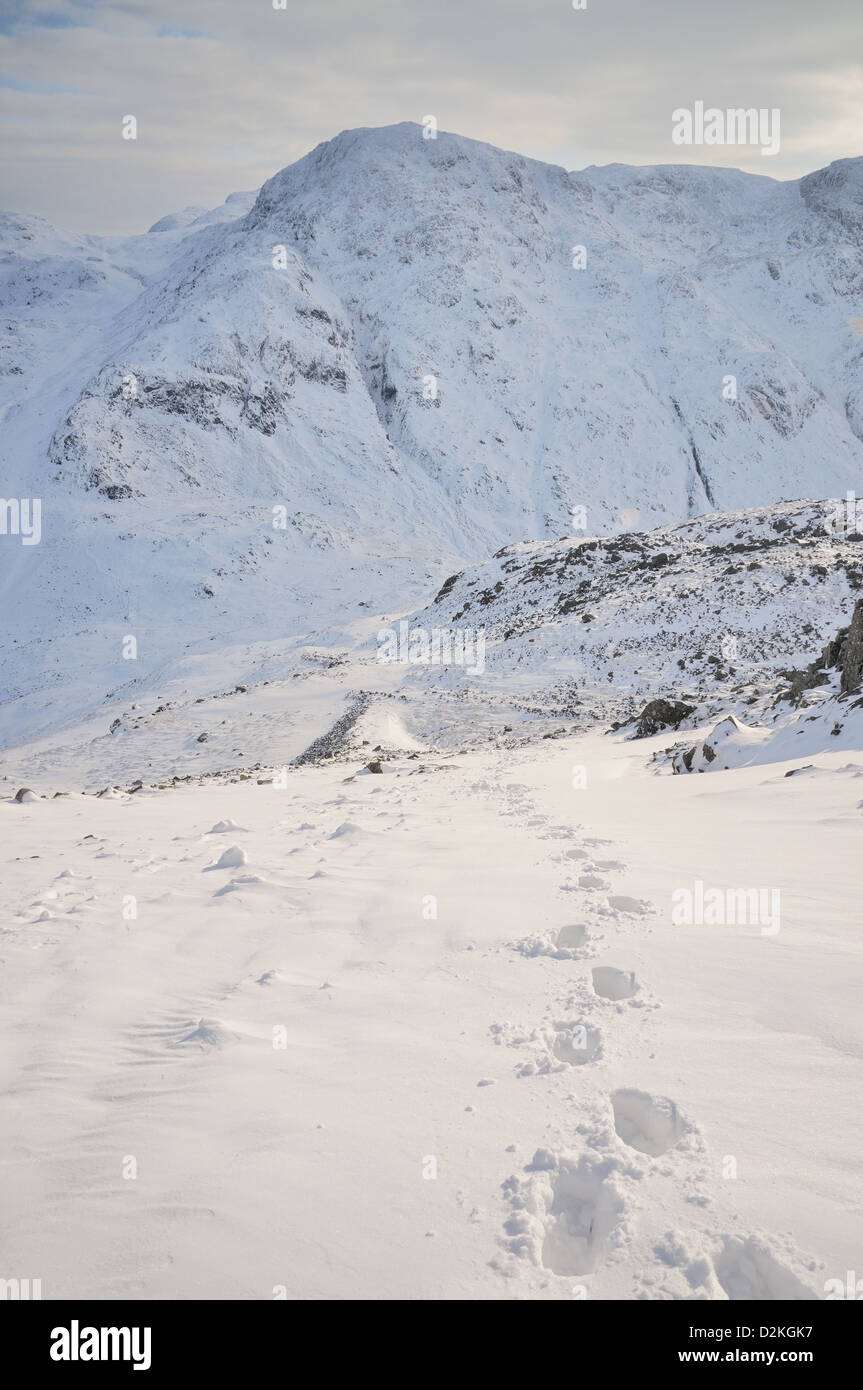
(227, 92)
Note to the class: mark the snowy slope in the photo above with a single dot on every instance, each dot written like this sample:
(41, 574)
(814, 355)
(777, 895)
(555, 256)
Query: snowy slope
(602, 386)
(433, 1034)
(363, 976)
(717, 613)
(301, 380)
(708, 611)
(818, 710)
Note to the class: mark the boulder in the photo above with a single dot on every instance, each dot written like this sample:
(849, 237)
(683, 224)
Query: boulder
(850, 657)
(661, 714)
(731, 743)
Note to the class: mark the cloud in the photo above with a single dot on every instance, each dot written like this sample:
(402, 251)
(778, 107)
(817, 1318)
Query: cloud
(167, 31)
(19, 84)
(577, 87)
(21, 16)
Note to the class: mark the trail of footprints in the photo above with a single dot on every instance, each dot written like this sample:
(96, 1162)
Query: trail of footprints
(569, 1214)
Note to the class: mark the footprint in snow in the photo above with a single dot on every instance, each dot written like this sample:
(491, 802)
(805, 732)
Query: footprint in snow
(585, 1211)
(614, 984)
(650, 1124)
(569, 942)
(592, 881)
(576, 1044)
(572, 937)
(638, 907)
(748, 1270)
(558, 832)
(566, 1214)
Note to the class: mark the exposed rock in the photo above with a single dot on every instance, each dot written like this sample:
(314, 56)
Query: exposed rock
(661, 714)
(843, 653)
(801, 681)
(727, 743)
(849, 658)
(335, 740)
(25, 794)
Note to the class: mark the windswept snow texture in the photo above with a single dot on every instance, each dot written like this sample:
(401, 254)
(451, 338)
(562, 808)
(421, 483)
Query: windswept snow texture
(393, 342)
(432, 1034)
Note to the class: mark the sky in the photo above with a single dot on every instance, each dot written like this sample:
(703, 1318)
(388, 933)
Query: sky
(227, 92)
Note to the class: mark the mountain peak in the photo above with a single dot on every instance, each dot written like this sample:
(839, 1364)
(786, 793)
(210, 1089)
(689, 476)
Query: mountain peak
(419, 349)
(380, 154)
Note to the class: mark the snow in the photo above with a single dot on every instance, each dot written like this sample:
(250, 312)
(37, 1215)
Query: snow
(298, 380)
(332, 976)
(283, 1060)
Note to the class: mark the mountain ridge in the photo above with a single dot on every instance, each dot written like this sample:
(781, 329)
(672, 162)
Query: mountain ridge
(391, 342)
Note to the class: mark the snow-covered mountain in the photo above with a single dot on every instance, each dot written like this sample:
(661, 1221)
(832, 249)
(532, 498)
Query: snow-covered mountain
(343, 920)
(392, 361)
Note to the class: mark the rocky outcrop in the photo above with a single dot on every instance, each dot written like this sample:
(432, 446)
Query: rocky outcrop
(661, 714)
(843, 653)
(839, 667)
(725, 746)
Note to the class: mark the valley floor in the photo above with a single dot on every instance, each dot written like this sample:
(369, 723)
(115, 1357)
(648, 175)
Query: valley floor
(434, 1035)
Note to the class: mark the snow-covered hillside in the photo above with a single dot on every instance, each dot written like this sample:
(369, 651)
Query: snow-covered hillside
(433, 1032)
(410, 530)
(714, 614)
(819, 710)
(394, 354)
(707, 611)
